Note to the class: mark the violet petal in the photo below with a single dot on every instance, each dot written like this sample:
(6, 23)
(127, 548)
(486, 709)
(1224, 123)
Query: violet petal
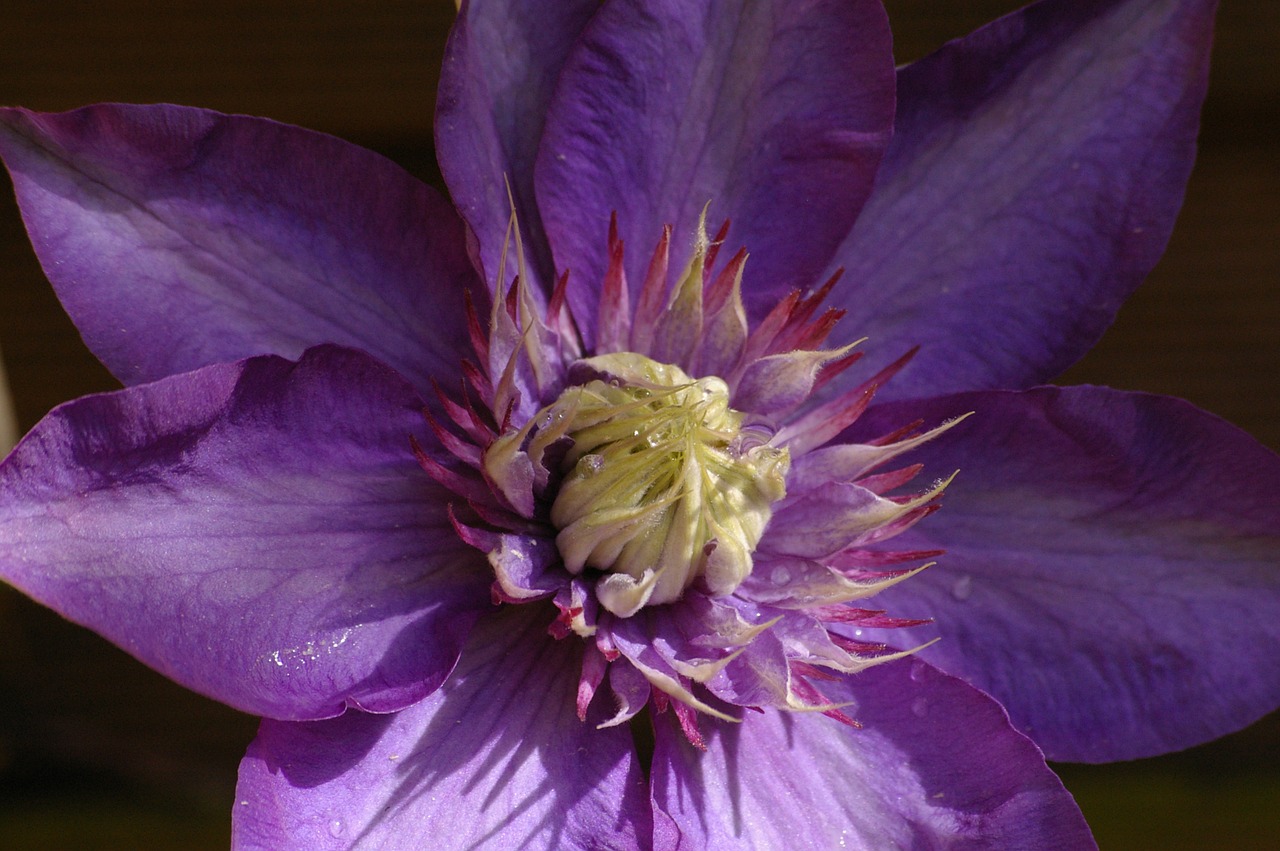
(775, 114)
(501, 65)
(179, 237)
(1032, 183)
(496, 759)
(831, 516)
(936, 764)
(259, 532)
(1110, 561)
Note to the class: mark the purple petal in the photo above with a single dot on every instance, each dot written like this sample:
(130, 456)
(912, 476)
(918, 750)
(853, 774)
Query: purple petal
(500, 67)
(935, 764)
(1032, 183)
(497, 758)
(179, 237)
(828, 518)
(776, 115)
(1110, 573)
(260, 532)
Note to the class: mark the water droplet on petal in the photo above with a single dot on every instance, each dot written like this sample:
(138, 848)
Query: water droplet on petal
(335, 827)
(919, 670)
(962, 588)
(920, 707)
(781, 575)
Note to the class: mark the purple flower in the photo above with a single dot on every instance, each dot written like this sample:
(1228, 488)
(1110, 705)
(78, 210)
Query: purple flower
(551, 521)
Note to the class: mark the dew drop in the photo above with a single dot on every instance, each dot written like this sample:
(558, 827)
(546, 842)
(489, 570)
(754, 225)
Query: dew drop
(781, 575)
(590, 465)
(335, 827)
(962, 588)
(920, 707)
(919, 670)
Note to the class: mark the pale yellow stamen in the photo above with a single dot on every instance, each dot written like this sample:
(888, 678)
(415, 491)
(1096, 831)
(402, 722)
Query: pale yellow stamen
(661, 487)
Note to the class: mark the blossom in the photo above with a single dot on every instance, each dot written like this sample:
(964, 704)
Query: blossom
(546, 518)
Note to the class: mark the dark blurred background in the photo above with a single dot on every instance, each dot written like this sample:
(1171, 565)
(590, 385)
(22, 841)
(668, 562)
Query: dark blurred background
(98, 752)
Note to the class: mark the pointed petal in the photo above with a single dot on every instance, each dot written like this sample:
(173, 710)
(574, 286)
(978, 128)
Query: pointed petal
(934, 765)
(496, 759)
(832, 516)
(803, 583)
(260, 532)
(1032, 183)
(1110, 571)
(179, 237)
(500, 66)
(778, 383)
(779, 123)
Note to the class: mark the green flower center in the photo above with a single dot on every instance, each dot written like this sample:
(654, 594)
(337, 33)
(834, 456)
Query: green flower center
(662, 487)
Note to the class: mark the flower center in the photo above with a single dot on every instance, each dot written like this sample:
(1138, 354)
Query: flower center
(635, 498)
(662, 487)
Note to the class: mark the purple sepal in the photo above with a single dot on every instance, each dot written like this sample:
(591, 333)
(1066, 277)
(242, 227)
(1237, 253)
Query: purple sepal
(1110, 569)
(935, 764)
(1034, 176)
(497, 758)
(779, 123)
(179, 237)
(258, 531)
(500, 68)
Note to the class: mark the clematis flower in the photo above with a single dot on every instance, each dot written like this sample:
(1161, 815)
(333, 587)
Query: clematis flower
(578, 513)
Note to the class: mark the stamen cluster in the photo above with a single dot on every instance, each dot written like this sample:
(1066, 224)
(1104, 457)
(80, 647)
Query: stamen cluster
(671, 492)
(661, 487)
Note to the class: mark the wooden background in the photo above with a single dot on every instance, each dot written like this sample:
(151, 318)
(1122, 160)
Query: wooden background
(98, 752)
